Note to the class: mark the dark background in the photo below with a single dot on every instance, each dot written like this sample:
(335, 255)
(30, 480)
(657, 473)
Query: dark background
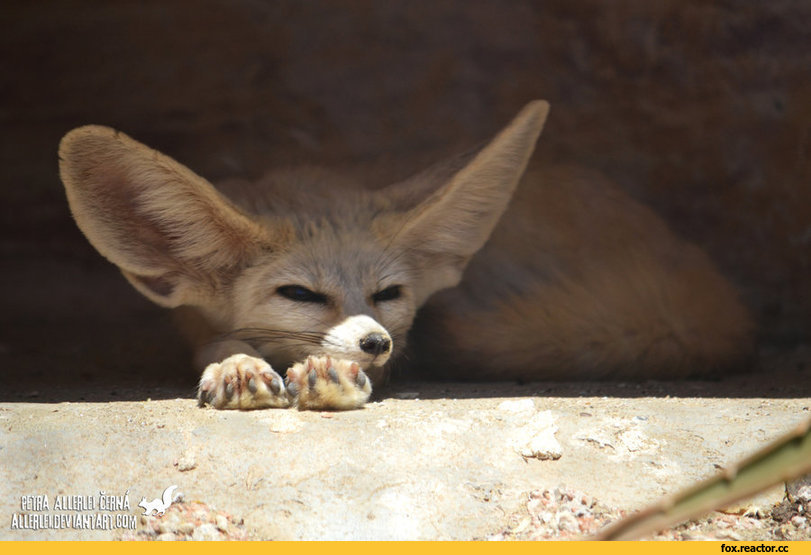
(700, 109)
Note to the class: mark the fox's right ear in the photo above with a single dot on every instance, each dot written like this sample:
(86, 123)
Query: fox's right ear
(168, 230)
(446, 229)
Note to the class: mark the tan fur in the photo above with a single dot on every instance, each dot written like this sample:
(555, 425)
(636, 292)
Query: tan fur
(582, 281)
(576, 280)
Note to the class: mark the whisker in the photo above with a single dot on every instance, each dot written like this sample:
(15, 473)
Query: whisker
(269, 335)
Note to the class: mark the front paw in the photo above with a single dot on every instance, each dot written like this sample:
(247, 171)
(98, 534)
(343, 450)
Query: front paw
(327, 383)
(241, 382)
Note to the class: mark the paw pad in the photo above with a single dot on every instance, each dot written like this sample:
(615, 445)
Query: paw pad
(241, 382)
(327, 383)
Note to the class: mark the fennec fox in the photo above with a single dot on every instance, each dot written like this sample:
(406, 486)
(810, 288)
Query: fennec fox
(328, 280)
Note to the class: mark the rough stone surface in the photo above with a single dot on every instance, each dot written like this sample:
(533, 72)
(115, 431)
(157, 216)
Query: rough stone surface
(440, 467)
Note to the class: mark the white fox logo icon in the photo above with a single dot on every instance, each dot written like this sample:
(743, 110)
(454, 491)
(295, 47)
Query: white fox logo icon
(158, 505)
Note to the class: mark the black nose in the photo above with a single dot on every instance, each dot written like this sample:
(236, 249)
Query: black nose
(375, 344)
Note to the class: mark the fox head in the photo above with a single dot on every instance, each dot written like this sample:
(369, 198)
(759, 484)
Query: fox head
(294, 264)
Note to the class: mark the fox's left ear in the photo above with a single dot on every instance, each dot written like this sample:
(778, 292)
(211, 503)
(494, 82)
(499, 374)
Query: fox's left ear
(451, 225)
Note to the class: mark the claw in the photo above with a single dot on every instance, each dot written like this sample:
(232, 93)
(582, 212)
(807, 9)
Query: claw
(333, 374)
(206, 394)
(273, 382)
(251, 382)
(360, 379)
(312, 377)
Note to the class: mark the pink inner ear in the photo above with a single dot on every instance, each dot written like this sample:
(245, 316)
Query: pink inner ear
(162, 286)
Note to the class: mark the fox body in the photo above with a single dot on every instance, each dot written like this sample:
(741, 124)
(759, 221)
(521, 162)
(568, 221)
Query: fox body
(333, 282)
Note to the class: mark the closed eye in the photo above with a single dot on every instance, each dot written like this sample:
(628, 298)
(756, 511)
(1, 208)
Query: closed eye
(301, 294)
(387, 294)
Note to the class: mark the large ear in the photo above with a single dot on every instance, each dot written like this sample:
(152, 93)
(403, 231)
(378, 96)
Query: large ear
(168, 230)
(454, 222)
